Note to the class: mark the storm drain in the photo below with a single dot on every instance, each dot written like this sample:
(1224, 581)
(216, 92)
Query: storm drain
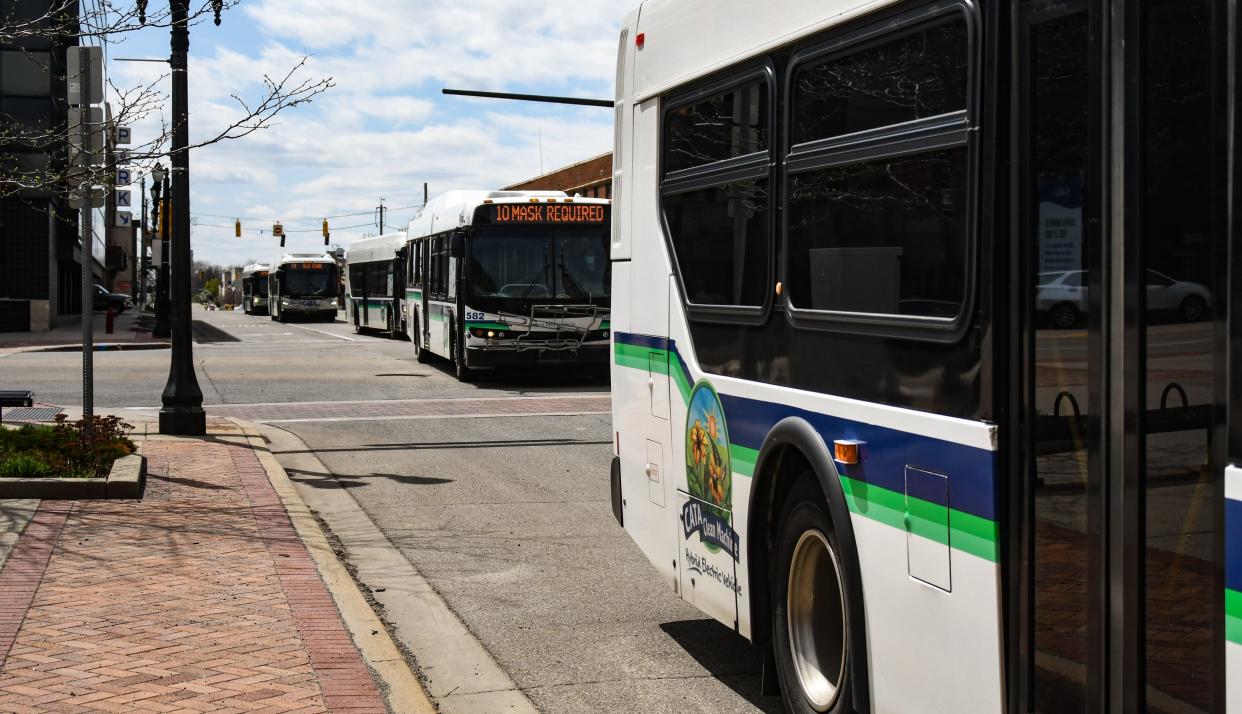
(30, 414)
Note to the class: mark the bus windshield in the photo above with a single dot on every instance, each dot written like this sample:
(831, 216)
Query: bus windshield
(561, 264)
(258, 285)
(319, 282)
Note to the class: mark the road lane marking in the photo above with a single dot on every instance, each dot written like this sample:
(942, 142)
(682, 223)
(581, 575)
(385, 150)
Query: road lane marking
(322, 332)
(410, 417)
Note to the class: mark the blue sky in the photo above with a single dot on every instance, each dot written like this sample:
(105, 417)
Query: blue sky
(384, 128)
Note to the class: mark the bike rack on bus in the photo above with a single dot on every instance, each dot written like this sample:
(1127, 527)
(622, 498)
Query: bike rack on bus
(558, 320)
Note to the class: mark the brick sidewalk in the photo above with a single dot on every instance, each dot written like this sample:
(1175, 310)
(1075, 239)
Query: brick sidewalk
(200, 597)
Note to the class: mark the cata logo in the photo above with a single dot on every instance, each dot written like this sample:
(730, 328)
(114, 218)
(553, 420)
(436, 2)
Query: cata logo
(709, 473)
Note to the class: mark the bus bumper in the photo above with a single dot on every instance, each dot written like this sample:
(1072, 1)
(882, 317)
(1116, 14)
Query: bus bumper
(595, 355)
(617, 506)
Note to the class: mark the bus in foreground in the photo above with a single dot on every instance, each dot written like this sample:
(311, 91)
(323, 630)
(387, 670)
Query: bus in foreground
(857, 422)
(304, 285)
(254, 289)
(509, 278)
(375, 271)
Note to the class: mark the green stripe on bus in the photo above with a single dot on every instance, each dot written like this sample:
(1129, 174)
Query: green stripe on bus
(743, 459)
(416, 294)
(639, 357)
(488, 325)
(437, 317)
(967, 533)
(605, 325)
(1233, 616)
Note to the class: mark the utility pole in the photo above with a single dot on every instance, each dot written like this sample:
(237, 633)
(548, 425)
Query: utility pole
(162, 195)
(381, 210)
(140, 256)
(426, 188)
(182, 413)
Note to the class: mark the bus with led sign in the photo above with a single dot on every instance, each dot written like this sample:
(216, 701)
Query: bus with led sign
(509, 278)
(304, 285)
(375, 289)
(926, 345)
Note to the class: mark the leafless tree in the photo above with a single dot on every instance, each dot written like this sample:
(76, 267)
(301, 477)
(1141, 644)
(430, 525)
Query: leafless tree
(35, 152)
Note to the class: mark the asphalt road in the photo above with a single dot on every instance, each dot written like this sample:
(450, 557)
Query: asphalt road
(507, 516)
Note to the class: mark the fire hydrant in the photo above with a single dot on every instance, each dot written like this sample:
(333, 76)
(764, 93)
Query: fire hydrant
(109, 319)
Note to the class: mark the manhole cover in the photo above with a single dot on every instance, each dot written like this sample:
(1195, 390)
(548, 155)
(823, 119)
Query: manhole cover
(31, 414)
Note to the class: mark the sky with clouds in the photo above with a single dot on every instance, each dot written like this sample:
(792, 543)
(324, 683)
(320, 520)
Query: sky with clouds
(385, 128)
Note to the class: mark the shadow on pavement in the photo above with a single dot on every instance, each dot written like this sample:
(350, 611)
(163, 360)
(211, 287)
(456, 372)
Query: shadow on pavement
(416, 446)
(319, 479)
(729, 657)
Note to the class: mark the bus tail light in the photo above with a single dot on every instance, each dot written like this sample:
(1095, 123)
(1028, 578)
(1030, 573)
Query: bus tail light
(847, 451)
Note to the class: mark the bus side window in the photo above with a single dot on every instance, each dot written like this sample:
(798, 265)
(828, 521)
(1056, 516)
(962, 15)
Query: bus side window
(356, 281)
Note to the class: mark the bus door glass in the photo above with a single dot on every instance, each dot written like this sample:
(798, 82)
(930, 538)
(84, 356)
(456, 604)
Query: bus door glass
(1074, 592)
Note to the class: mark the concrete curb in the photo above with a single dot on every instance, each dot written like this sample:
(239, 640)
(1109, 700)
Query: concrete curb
(460, 674)
(127, 479)
(15, 515)
(403, 690)
(77, 348)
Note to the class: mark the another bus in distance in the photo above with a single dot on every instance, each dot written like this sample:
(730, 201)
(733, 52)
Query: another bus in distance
(509, 278)
(254, 289)
(375, 275)
(856, 423)
(304, 285)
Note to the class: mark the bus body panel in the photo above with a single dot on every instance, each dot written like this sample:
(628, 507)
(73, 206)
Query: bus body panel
(439, 319)
(374, 272)
(1233, 589)
(676, 51)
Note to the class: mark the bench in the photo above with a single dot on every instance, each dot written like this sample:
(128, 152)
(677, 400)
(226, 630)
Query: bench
(14, 398)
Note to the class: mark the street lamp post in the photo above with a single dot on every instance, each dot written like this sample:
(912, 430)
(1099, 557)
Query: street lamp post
(182, 413)
(159, 218)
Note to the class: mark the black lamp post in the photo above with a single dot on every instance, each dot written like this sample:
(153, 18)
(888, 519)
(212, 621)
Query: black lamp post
(159, 219)
(182, 413)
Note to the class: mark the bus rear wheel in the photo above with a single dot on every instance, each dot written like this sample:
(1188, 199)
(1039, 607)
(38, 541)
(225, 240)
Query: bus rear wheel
(416, 338)
(810, 621)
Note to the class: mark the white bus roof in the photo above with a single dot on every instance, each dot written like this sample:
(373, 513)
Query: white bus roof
(685, 41)
(305, 258)
(456, 208)
(254, 268)
(370, 250)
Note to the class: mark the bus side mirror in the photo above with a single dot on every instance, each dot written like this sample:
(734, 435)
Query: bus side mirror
(457, 245)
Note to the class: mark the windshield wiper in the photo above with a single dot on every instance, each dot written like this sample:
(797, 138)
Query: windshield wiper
(547, 265)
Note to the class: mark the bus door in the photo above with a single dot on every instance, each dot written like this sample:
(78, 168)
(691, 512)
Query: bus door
(1115, 540)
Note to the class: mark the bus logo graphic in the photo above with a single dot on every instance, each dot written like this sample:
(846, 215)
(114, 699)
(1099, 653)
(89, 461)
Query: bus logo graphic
(709, 473)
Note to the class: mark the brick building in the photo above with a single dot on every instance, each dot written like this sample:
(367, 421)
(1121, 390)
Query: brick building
(591, 178)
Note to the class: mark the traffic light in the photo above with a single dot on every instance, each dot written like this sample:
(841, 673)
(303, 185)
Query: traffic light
(279, 230)
(237, 228)
(325, 231)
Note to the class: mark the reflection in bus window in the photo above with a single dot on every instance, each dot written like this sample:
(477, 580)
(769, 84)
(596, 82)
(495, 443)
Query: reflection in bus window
(885, 236)
(720, 237)
(728, 125)
(918, 76)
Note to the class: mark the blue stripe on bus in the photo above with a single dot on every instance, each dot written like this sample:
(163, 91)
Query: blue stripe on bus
(657, 343)
(1233, 545)
(885, 456)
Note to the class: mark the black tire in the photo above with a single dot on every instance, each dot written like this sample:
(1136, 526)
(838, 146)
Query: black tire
(1193, 308)
(805, 529)
(464, 373)
(420, 354)
(1063, 316)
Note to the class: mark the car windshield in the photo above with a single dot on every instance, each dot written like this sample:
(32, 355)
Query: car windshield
(549, 263)
(308, 283)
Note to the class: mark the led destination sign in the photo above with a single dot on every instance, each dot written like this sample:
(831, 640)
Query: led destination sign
(549, 213)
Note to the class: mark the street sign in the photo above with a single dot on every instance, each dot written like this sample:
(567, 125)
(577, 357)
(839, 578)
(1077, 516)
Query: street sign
(94, 93)
(122, 177)
(94, 127)
(278, 230)
(124, 219)
(124, 135)
(123, 198)
(122, 157)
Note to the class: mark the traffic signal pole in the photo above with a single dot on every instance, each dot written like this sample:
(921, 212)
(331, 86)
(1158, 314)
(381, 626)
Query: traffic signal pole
(88, 238)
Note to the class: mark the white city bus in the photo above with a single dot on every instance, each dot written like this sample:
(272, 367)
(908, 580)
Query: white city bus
(254, 289)
(506, 278)
(304, 285)
(925, 374)
(375, 272)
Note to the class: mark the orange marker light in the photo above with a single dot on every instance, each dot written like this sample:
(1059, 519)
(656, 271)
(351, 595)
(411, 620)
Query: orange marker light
(847, 451)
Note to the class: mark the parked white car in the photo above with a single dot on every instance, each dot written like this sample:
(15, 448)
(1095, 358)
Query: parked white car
(1062, 296)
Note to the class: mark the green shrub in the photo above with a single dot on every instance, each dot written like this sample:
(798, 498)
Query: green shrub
(81, 449)
(24, 466)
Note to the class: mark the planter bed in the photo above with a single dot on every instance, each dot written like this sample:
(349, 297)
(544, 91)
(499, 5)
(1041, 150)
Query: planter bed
(126, 479)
